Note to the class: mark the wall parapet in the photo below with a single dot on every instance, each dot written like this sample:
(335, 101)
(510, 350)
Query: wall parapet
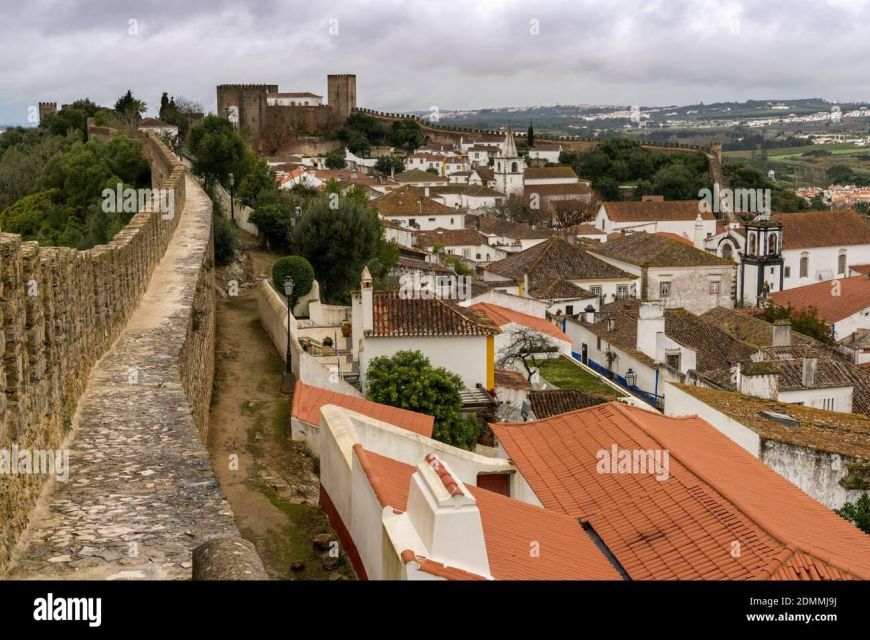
(61, 310)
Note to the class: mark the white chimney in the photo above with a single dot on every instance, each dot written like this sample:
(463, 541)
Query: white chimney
(367, 298)
(426, 191)
(526, 284)
(808, 372)
(782, 333)
(699, 232)
(589, 312)
(650, 323)
(446, 517)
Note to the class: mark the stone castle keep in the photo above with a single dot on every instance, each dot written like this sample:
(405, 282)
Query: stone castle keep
(248, 105)
(109, 352)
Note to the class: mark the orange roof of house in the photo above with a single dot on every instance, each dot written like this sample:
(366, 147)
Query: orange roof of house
(509, 528)
(503, 315)
(840, 227)
(721, 514)
(307, 401)
(860, 268)
(854, 297)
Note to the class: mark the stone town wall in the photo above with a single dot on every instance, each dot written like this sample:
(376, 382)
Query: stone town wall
(60, 311)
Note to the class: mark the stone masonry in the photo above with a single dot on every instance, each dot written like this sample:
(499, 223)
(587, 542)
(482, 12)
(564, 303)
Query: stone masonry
(111, 355)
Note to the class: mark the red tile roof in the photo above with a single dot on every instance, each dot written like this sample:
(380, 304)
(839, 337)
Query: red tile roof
(406, 201)
(721, 514)
(510, 527)
(861, 268)
(822, 229)
(854, 297)
(397, 316)
(503, 315)
(652, 210)
(307, 401)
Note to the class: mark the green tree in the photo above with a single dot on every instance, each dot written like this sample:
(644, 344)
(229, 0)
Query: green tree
(130, 107)
(273, 221)
(217, 150)
(335, 159)
(390, 164)
(406, 135)
(299, 270)
(255, 177)
(530, 136)
(408, 380)
(339, 236)
(805, 321)
(857, 512)
(359, 145)
(608, 188)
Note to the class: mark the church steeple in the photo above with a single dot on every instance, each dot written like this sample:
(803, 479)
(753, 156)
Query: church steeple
(510, 147)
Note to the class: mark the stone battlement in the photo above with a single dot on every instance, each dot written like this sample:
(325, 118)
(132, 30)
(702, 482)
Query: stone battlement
(109, 352)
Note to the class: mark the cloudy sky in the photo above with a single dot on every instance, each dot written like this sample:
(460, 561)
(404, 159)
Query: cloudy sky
(451, 54)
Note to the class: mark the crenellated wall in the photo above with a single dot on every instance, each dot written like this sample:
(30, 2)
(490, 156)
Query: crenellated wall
(61, 310)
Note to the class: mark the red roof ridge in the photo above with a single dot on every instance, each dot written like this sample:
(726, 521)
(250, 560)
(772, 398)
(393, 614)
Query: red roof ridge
(450, 483)
(372, 474)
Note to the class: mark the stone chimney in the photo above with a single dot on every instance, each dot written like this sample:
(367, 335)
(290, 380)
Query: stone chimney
(611, 324)
(808, 372)
(650, 323)
(367, 297)
(782, 333)
(426, 191)
(759, 379)
(698, 240)
(446, 517)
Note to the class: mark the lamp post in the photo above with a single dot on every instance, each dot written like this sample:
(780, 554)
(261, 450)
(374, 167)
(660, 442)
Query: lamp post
(288, 291)
(631, 377)
(232, 198)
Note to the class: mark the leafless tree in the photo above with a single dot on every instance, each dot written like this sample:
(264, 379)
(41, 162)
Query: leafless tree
(528, 347)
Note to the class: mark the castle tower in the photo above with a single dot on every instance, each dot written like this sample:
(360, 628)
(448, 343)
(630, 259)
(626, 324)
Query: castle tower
(509, 168)
(47, 109)
(341, 93)
(245, 104)
(761, 263)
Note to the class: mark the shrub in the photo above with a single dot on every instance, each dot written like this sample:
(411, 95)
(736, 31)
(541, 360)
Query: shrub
(297, 268)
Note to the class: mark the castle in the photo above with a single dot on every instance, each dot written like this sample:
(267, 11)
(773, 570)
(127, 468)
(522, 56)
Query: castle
(271, 116)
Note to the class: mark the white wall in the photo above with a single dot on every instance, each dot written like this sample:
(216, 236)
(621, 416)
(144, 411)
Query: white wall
(841, 396)
(429, 222)
(680, 403)
(823, 263)
(684, 228)
(463, 355)
(240, 211)
(273, 316)
(848, 326)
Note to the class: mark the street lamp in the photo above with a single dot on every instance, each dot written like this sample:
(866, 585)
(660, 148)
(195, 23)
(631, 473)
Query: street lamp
(288, 291)
(630, 377)
(232, 198)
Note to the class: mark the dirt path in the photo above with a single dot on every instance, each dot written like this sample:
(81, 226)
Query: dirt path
(269, 481)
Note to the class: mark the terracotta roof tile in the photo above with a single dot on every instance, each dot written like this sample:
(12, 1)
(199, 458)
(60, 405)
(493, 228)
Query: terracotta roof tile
(502, 316)
(556, 259)
(405, 201)
(394, 315)
(550, 402)
(654, 250)
(450, 238)
(307, 401)
(841, 227)
(685, 526)
(512, 379)
(854, 297)
(558, 289)
(654, 210)
(500, 227)
(539, 173)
